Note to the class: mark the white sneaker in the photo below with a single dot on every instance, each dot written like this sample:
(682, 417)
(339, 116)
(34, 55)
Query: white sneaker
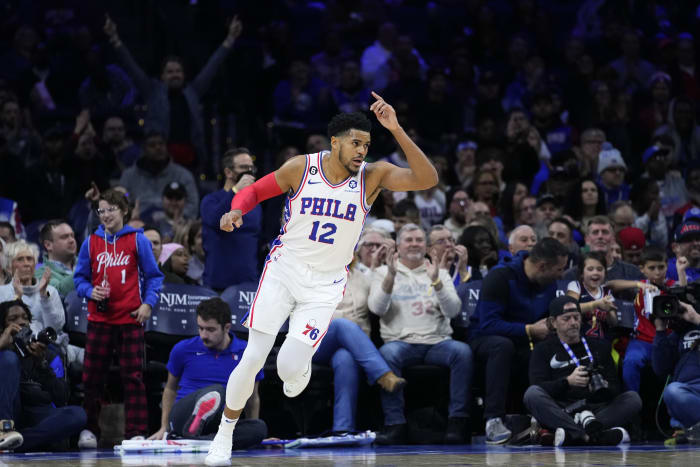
(297, 386)
(559, 437)
(137, 438)
(219, 450)
(87, 440)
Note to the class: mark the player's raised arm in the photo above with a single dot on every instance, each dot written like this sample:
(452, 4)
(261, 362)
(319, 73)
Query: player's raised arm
(273, 184)
(420, 175)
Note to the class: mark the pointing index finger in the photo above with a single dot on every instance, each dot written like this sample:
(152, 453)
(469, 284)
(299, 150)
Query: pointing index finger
(377, 96)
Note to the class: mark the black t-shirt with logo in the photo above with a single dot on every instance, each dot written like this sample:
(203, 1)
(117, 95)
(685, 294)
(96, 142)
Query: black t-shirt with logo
(550, 364)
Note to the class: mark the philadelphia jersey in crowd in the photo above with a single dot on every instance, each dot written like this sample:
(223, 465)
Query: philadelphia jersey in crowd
(323, 221)
(126, 260)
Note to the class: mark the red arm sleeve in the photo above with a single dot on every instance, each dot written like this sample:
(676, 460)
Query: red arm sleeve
(250, 196)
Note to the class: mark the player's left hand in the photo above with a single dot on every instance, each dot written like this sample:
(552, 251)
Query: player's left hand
(142, 313)
(385, 113)
(231, 220)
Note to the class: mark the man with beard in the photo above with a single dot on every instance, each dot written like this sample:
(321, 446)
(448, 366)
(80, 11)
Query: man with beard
(198, 368)
(58, 239)
(687, 243)
(600, 236)
(560, 377)
(174, 107)
(415, 300)
(509, 317)
(305, 274)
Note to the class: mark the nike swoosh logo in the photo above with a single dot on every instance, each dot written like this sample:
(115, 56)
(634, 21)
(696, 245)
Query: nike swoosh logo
(557, 364)
(312, 183)
(339, 280)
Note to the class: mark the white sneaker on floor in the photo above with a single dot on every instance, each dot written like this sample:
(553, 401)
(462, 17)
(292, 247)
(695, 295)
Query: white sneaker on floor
(219, 451)
(87, 440)
(297, 386)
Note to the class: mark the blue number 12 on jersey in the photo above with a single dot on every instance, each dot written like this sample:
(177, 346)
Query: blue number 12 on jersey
(325, 237)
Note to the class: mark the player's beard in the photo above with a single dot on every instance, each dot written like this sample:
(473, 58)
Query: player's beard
(352, 170)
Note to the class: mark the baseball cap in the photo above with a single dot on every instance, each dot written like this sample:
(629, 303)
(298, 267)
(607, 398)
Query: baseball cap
(651, 151)
(688, 231)
(692, 213)
(174, 190)
(632, 238)
(547, 198)
(609, 158)
(556, 306)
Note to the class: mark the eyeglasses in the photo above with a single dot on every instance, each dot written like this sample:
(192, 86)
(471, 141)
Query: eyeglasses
(372, 245)
(246, 168)
(102, 212)
(444, 241)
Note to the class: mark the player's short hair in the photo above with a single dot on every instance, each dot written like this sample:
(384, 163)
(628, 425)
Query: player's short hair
(548, 250)
(214, 308)
(652, 253)
(5, 309)
(344, 122)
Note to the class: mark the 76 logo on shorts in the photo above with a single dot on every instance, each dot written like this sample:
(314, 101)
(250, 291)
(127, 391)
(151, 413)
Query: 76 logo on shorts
(311, 330)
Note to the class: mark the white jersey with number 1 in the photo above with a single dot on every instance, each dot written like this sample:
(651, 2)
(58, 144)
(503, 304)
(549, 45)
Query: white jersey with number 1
(322, 221)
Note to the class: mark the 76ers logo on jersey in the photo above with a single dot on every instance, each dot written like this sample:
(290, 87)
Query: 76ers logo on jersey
(313, 170)
(311, 330)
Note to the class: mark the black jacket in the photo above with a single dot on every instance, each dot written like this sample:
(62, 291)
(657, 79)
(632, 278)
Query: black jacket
(550, 365)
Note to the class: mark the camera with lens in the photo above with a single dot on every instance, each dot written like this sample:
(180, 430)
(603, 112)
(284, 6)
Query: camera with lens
(25, 337)
(668, 306)
(597, 385)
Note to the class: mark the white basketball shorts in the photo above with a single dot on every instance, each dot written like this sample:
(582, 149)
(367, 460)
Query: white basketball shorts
(290, 288)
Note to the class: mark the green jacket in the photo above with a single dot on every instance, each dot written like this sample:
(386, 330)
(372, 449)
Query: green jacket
(61, 277)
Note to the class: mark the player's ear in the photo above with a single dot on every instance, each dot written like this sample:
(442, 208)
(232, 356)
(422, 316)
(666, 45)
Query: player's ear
(334, 142)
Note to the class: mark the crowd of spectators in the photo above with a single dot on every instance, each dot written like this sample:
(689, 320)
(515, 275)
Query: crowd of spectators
(574, 121)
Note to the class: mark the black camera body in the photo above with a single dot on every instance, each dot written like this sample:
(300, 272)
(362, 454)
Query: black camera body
(25, 337)
(103, 305)
(597, 384)
(668, 306)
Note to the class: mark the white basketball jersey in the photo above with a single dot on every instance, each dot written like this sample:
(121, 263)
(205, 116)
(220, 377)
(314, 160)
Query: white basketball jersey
(322, 221)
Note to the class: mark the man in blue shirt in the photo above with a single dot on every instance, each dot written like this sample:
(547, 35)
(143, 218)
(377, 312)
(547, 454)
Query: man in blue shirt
(198, 369)
(222, 248)
(510, 315)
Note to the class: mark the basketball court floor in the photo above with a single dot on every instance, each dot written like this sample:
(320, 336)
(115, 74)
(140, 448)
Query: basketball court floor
(642, 456)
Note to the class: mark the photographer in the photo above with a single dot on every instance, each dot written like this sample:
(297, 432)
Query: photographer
(575, 388)
(677, 354)
(221, 247)
(33, 394)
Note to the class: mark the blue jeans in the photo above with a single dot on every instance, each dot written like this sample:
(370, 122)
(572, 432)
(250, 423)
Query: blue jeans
(637, 356)
(683, 402)
(9, 385)
(346, 348)
(455, 355)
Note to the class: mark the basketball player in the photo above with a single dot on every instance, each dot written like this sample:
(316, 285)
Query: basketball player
(329, 196)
